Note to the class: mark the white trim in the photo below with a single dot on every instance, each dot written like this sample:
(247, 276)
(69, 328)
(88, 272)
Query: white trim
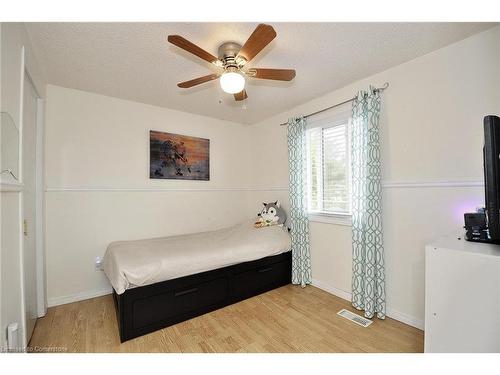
(337, 219)
(385, 185)
(22, 332)
(11, 186)
(159, 189)
(332, 290)
(391, 313)
(405, 318)
(62, 300)
(24, 341)
(329, 118)
(432, 184)
(40, 206)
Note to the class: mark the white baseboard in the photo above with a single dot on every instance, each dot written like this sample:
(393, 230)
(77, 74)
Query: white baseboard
(56, 301)
(405, 318)
(391, 313)
(332, 290)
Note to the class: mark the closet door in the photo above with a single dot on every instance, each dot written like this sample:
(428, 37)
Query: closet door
(29, 204)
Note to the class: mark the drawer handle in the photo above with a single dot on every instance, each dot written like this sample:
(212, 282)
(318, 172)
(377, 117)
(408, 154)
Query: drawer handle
(184, 292)
(265, 270)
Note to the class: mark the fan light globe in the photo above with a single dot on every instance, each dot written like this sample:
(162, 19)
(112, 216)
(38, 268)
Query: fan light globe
(232, 82)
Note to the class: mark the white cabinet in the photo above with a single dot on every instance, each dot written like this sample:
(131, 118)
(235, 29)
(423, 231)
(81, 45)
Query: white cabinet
(462, 296)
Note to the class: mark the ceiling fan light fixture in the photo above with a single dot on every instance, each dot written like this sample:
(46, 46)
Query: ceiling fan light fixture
(232, 82)
(231, 59)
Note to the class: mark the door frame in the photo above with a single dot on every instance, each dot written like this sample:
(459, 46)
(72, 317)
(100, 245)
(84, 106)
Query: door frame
(41, 302)
(39, 199)
(40, 208)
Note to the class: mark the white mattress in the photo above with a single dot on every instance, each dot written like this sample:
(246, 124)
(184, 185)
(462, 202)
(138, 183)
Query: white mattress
(128, 264)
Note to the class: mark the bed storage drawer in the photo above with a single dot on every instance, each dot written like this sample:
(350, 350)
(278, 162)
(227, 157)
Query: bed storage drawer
(178, 301)
(259, 279)
(148, 308)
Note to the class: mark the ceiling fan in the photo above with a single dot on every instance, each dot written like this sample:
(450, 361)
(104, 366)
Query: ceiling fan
(231, 61)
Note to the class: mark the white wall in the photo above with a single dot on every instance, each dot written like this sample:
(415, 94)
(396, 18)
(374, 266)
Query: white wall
(98, 187)
(99, 191)
(16, 56)
(431, 137)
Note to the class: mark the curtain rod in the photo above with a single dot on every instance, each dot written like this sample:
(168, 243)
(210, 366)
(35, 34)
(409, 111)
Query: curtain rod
(386, 85)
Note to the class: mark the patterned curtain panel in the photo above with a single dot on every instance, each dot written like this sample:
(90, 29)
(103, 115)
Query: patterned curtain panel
(299, 223)
(368, 276)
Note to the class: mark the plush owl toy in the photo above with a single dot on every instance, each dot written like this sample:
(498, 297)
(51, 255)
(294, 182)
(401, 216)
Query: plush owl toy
(271, 214)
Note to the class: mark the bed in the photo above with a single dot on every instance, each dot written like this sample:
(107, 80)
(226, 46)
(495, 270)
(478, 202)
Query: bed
(163, 281)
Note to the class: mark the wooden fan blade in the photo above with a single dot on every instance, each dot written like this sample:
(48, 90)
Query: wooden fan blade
(197, 81)
(276, 74)
(242, 95)
(186, 45)
(261, 37)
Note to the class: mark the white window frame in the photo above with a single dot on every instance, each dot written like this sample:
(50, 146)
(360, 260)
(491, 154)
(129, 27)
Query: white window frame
(325, 122)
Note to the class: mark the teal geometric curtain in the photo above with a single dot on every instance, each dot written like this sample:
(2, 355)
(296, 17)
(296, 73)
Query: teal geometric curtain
(368, 275)
(299, 223)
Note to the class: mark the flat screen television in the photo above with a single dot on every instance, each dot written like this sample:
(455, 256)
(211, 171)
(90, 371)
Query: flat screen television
(491, 160)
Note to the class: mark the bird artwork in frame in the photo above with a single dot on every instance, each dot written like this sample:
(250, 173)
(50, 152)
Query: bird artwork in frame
(178, 157)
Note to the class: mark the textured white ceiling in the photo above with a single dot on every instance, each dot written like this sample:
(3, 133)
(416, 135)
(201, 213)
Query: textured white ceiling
(134, 61)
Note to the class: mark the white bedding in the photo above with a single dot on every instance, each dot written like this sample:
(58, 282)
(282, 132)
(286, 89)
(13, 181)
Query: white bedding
(136, 263)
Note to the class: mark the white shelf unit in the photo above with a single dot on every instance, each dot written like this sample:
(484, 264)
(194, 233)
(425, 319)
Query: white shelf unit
(462, 296)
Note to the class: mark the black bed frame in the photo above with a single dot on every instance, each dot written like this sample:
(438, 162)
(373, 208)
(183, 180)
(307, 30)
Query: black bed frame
(149, 308)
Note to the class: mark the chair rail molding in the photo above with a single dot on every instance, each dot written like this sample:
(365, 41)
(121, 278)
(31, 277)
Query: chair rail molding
(11, 186)
(385, 185)
(160, 189)
(432, 184)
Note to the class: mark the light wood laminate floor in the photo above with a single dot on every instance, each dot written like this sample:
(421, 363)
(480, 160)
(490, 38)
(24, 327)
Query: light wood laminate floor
(288, 319)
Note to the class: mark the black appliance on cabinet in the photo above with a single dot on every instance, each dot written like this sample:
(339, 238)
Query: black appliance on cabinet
(484, 225)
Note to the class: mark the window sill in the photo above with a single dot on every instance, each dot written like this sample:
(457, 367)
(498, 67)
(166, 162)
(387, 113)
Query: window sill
(336, 219)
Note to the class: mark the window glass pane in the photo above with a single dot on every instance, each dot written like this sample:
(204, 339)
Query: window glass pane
(335, 179)
(315, 172)
(328, 169)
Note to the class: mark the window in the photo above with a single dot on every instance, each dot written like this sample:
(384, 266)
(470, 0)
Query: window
(328, 167)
